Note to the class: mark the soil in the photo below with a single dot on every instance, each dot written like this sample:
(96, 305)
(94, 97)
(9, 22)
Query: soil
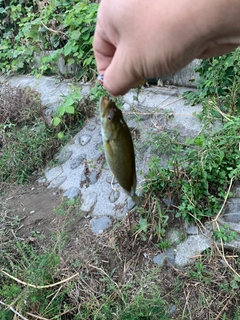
(36, 214)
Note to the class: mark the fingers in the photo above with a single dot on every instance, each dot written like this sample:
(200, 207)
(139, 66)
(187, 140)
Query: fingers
(119, 77)
(113, 65)
(103, 50)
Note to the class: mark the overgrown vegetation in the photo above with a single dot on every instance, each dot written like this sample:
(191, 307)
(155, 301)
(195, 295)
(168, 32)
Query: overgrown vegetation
(49, 31)
(28, 140)
(198, 174)
(218, 84)
(101, 280)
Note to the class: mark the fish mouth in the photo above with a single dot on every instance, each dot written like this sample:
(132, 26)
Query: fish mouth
(103, 104)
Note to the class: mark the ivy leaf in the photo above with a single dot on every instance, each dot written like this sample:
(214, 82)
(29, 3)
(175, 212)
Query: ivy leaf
(67, 49)
(76, 34)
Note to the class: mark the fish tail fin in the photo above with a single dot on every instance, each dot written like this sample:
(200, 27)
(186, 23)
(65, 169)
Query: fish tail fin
(136, 199)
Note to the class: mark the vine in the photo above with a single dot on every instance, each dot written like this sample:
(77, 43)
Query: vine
(58, 28)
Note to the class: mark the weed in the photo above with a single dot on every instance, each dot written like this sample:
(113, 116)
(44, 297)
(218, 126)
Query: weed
(28, 141)
(72, 113)
(164, 244)
(237, 314)
(152, 222)
(19, 105)
(199, 273)
(196, 177)
(219, 80)
(25, 151)
(225, 234)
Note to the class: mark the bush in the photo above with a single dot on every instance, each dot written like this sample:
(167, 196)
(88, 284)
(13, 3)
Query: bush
(65, 28)
(220, 80)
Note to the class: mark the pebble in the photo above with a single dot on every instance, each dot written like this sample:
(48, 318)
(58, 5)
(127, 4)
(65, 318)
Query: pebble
(89, 202)
(98, 145)
(84, 139)
(98, 225)
(188, 250)
(110, 178)
(191, 229)
(130, 204)
(77, 161)
(91, 127)
(170, 254)
(93, 177)
(71, 193)
(172, 309)
(63, 156)
(159, 259)
(57, 182)
(114, 195)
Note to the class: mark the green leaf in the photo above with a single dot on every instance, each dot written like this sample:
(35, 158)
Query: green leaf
(61, 110)
(85, 36)
(69, 101)
(60, 135)
(87, 61)
(69, 109)
(67, 49)
(75, 35)
(56, 121)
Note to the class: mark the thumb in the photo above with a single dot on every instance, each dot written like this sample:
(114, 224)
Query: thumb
(120, 77)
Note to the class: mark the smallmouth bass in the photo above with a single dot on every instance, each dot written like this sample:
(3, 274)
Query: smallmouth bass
(118, 146)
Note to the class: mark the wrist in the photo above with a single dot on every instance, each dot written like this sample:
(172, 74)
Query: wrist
(222, 21)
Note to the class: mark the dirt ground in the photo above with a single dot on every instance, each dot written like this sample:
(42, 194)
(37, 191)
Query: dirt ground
(35, 214)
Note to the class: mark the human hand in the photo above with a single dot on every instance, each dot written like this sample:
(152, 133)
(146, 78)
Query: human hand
(137, 39)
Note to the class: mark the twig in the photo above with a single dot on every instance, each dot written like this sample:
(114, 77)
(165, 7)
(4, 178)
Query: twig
(39, 287)
(15, 237)
(225, 200)
(35, 316)
(13, 310)
(56, 293)
(222, 254)
(54, 31)
(129, 222)
(61, 314)
(101, 270)
(223, 308)
(186, 305)
(112, 182)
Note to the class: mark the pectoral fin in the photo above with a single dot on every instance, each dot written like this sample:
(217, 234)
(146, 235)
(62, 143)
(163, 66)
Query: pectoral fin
(108, 148)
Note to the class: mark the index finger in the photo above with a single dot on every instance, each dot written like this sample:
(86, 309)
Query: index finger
(103, 50)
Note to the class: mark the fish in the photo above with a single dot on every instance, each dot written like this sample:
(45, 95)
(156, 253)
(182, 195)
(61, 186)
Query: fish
(118, 147)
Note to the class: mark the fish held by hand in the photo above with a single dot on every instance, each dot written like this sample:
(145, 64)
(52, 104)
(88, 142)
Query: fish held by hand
(118, 146)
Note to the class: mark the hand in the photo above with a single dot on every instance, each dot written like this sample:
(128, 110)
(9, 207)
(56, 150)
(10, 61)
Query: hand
(137, 39)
